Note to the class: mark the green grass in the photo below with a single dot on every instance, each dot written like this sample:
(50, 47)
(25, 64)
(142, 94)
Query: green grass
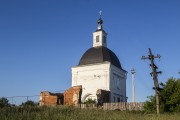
(71, 113)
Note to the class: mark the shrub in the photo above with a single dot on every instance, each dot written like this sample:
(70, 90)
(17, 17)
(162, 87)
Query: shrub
(90, 101)
(4, 102)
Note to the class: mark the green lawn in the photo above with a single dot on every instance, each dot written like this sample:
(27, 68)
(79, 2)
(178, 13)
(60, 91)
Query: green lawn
(70, 113)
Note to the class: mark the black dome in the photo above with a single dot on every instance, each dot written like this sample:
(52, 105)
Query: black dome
(99, 55)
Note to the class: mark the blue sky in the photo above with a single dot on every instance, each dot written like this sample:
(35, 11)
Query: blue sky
(41, 40)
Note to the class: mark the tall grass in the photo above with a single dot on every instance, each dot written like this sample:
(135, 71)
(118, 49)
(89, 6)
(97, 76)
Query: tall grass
(71, 113)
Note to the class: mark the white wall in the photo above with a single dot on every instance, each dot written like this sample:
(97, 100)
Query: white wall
(117, 84)
(100, 76)
(101, 35)
(91, 77)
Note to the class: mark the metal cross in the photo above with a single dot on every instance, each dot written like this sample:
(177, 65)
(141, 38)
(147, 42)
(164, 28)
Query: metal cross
(100, 13)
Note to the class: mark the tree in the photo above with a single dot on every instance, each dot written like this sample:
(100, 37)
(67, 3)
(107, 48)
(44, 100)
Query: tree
(169, 97)
(90, 101)
(4, 102)
(150, 105)
(29, 103)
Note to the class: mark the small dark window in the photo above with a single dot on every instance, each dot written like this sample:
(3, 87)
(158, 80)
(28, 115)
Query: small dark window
(97, 38)
(104, 39)
(118, 99)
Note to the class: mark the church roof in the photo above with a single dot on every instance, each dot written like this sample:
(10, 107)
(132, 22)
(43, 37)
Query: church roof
(98, 55)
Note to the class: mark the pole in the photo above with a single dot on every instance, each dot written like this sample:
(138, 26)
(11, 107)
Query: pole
(154, 74)
(133, 87)
(155, 79)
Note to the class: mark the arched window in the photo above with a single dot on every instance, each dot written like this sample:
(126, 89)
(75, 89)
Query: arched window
(97, 38)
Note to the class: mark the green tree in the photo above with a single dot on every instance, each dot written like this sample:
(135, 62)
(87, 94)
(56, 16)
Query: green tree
(90, 101)
(4, 102)
(150, 105)
(169, 97)
(29, 103)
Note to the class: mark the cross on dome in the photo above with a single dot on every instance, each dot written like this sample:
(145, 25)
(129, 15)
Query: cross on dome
(100, 21)
(100, 13)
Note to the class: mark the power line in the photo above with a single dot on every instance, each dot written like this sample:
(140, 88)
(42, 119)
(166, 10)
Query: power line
(22, 96)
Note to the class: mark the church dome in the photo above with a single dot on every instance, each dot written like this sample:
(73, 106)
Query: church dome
(98, 55)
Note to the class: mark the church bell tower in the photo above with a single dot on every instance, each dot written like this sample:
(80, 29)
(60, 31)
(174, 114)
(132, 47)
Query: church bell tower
(99, 36)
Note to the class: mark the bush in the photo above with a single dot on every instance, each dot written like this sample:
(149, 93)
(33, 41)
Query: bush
(4, 102)
(90, 101)
(169, 97)
(29, 103)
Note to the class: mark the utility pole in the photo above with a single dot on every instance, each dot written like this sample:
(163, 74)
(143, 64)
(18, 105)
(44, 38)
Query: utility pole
(133, 87)
(154, 74)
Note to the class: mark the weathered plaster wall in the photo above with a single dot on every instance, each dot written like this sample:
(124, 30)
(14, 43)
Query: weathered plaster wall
(91, 77)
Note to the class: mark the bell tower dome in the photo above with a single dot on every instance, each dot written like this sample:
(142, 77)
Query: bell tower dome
(99, 36)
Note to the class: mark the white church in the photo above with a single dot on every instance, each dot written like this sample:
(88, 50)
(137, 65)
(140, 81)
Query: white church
(100, 68)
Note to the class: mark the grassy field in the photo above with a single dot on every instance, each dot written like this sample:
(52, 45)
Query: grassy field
(70, 113)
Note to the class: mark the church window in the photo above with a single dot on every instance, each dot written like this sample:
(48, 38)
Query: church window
(121, 85)
(118, 99)
(97, 38)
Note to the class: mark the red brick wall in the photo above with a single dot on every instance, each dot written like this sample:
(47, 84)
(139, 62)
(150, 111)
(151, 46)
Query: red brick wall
(72, 96)
(47, 99)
